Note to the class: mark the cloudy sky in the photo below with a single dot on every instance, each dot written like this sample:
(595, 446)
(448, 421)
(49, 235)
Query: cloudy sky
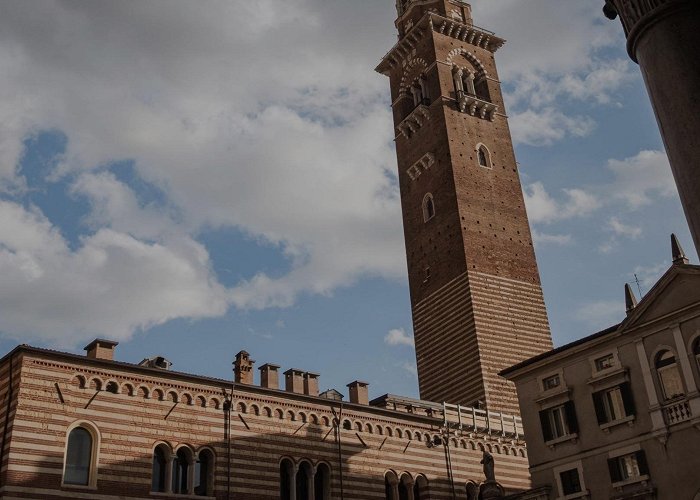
(195, 178)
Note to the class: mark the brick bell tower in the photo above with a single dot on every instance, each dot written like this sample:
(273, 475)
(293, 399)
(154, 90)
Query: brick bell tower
(475, 289)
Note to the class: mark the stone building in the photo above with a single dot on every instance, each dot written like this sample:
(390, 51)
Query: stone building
(475, 288)
(90, 427)
(617, 414)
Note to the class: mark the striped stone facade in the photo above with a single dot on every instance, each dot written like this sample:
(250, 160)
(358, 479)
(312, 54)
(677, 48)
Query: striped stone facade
(475, 289)
(134, 409)
(511, 313)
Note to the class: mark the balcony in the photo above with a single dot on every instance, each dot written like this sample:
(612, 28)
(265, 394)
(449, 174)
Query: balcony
(677, 412)
(476, 107)
(415, 120)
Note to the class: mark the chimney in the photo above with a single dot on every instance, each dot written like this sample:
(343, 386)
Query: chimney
(359, 393)
(101, 349)
(269, 376)
(311, 384)
(294, 381)
(243, 368)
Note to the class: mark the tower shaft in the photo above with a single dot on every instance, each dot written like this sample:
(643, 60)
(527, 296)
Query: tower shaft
(475, 290)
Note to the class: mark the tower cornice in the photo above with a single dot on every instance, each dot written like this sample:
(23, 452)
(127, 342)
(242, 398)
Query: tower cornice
(638, 16)
(468, 33)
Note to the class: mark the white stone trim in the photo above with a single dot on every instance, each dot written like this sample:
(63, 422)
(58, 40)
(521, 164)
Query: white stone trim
(415, 170)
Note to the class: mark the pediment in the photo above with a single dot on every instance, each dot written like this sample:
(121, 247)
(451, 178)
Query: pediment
(677, 290)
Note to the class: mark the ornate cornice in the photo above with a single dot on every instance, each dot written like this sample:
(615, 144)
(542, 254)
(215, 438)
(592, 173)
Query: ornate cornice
(639, 15)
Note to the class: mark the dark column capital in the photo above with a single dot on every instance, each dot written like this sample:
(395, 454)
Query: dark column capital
(639, 15)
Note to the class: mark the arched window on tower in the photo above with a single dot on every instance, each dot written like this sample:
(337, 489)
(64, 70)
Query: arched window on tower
(696, 351)
(428, 207)
(483, 156)
(419, 91)
(668, 375)
(79, 463)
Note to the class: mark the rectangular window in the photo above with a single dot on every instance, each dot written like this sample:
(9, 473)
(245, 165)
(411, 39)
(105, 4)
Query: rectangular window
(559, 421)
(614, 404)
(551, 382)
(628, 467)
(604, 363)
(570, 482)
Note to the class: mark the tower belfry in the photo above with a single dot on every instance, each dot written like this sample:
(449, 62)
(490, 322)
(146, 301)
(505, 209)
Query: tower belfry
(475, 289)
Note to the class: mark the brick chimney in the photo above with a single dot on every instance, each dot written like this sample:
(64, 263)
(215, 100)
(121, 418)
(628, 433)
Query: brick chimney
(311, 384)
(359, 392)
(269, 376)
(243, 368)
(294, 381)
(101, 349)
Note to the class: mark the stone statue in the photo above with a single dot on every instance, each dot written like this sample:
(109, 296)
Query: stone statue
(489, 471)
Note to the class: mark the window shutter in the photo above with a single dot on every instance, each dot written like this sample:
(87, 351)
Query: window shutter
(546, 426)
(600, 407)
(614, 467)
(628, 399)
(571, 420)
(642, 463)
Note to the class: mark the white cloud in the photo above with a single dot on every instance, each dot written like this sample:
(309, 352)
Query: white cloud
(601, 313)
(543, 127)
(641, 178)
(398, 337)
(262, 127)
(111, 286)
(551, 239)
(621, 229)
(410, 368)
(542, 208)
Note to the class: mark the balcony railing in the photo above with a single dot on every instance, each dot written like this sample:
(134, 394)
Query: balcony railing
(677, 412)
(473, 419)
(476, 107)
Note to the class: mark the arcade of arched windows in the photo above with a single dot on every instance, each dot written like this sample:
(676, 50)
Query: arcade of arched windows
(182, 471)
(264, 410)
(304, 480)
(404, 486)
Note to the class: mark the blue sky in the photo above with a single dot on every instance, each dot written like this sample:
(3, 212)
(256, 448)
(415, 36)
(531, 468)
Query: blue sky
(195, 182)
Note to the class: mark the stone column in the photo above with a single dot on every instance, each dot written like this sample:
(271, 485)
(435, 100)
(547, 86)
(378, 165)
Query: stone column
(310, 475)
(457, 76)
(663, 37)
(469, 79)
(293, 482)
(657, 418)
(169, 473)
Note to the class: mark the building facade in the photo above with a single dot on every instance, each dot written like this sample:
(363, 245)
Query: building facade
(617, 414)
(475, 289)
(89, 427)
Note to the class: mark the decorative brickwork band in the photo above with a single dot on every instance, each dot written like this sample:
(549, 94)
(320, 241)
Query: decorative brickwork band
(638, 15)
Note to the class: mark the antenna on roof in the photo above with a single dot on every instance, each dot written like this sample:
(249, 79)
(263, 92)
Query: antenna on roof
(639, 286)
